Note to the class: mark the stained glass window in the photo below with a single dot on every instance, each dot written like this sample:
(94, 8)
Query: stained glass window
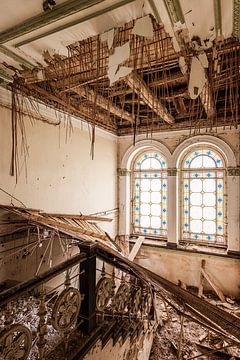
(149, 194)
(203, 200)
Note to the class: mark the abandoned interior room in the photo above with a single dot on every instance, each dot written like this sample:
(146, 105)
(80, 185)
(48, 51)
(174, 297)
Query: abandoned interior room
(119, 179)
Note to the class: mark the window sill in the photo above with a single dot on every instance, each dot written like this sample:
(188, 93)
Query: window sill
(189, 248)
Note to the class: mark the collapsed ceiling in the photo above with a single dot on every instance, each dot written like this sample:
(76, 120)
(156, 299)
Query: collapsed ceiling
(145, 75)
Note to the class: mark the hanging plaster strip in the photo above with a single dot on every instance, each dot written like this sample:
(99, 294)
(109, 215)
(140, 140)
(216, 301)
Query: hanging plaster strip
(183, 66)
(203, 60)
(120, 55)
(116, 73)
(143, 27)
(197, 78)
(108, 36)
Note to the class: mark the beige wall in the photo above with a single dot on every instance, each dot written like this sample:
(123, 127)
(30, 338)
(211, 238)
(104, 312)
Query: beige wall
(174, 138)
(177, 265)
(61, 175)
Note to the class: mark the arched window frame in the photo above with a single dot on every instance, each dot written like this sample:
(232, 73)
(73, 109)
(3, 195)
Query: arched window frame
(189, 174)
(138, 175)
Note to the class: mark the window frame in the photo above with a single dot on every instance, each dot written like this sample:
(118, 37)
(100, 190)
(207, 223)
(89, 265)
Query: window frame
(222, 169)
(132, 192)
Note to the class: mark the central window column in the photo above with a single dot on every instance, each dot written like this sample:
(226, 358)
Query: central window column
(172, 208)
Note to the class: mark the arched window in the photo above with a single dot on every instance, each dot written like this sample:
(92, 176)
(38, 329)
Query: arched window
(202, 196)
(149, 194)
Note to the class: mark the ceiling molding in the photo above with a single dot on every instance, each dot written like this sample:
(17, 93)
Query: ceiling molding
(72, 23)
(174, 11)
(12, 55)
(5, 76)
(236, 18)
(218, 17)
(45, 18)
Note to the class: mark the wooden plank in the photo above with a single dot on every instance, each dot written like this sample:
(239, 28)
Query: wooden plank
(200, 288)
(135, 248)
(77, 217)
(213, 284)
(138, 85)
(102, 102)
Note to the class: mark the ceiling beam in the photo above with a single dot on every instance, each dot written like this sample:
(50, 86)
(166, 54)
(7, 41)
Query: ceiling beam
(104, 103)
(168, 79)
(84, 111)
(79, 5)
(45, 18)
(175, 14)
(138, 85)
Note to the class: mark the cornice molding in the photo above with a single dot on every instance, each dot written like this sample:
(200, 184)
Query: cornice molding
(236, 18)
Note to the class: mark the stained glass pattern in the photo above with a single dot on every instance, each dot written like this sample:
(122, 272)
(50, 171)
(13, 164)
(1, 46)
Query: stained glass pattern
(149, 203)
(203, 197)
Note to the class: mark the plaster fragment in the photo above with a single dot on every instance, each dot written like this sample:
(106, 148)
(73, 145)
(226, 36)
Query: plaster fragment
(143, 27)
(109, 37)
(197, 78)
(203, 60)
(115, 73)
(182, 65)
(121, 54)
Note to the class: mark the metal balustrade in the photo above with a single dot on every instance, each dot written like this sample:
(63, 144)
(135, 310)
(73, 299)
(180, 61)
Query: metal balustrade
(63, 310)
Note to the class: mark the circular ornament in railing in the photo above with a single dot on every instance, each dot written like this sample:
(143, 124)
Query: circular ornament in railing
(147, 303)
(66, 309)
(121, 299)
(15, 343)
(136, 301)
(104, 293)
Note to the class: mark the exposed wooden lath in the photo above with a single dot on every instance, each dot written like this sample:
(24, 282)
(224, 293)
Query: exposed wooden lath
(156, 91)
(141, 88)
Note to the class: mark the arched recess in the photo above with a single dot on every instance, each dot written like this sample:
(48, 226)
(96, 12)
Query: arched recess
(132, 151)
(232, 183)
(220, 145)
(124, 178)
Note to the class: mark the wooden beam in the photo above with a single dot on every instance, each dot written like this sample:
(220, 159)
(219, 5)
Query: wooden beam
(77, 217)
(210, 281)
(138, 85)
(175, 78)
(135, 248)
(102, 102)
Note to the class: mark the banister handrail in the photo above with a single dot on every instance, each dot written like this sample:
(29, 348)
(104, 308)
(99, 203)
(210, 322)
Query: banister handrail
(16, 291)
